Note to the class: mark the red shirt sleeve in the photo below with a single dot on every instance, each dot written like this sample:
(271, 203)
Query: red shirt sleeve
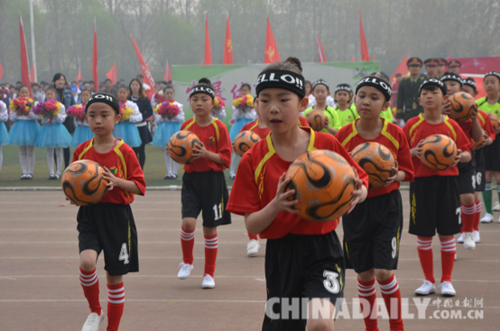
(303, 121)
(244, 197)
(463, 142)
(488, 127)
(405, 162)
(134, 170)
(224, 147)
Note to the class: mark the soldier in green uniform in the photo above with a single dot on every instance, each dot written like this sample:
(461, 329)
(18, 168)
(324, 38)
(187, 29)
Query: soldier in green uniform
(407, 104)
(442, 67)
(431, 66)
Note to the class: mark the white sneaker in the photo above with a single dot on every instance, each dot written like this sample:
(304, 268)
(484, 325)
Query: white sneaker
(92, 322)
(208, 282)
(447, 289)
(475, 236)
(185, 270)
(253, 247)
(469, 241)
(496, 207)
(460, 239)
(426, 288)
(487, 218)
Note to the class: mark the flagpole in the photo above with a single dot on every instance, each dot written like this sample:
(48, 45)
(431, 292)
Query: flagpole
(33, 53)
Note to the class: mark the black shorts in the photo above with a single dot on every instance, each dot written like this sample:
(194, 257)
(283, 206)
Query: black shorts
(435, 204)
(206, 192)
(372, 233)
(467, 176)
(480, 170)
(492, 155)
(110, 228)
(302, 267)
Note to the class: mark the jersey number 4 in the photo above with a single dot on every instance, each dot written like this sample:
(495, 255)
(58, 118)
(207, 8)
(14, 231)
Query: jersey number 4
(123, 254)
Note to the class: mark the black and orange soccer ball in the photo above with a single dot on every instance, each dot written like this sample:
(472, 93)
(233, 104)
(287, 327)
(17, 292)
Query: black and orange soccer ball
(244, 141)
(462, 106)
(376, 160)
(316, 120)
(83, 182)
(180, 146)
(494, 120)
(323, 182)
(480, 141)
(438, 152)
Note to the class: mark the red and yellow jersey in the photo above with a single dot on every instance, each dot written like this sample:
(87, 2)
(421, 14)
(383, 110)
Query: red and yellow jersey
(417, 128)
(122, 162)
(392, 137)
(485, 122)
(257, 181)
(263, 132)
(216, 140)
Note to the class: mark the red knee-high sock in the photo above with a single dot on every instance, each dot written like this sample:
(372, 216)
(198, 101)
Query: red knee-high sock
(253, 236)
(90, 284)
(424, 247)
(116, 302)
(477, 216)
(448, 251)
(392, 297)
(368, 295)
(187, 243)
(468, 214)
(211, 247)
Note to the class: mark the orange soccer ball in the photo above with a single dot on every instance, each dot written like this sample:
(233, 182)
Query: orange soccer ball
(83, 182)
(494, 120)
(477, 143)
(376, 160)
(438, 152)
(180, 146)
(316, 119)
(244, 141)
(462, 106)
(323, 182)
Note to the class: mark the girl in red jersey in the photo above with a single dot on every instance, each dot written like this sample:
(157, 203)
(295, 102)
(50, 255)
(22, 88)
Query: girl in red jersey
(204, 187)
(304, 260)
(372, 232)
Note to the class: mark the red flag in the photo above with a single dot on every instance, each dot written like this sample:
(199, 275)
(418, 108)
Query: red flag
(448, 58)
(79, 75)
(112, 74)
(228, 45)
(271, 53)
(401, 69)
(353, 59)
(362, 40)
(321, 54)
(1, 71)
(25, 70)
(168, 73)
(32, 74)
(148, 79)
(208, 51)
(95, 73)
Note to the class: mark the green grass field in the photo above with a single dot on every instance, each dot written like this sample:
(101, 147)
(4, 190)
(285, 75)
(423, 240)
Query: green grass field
(154, 169)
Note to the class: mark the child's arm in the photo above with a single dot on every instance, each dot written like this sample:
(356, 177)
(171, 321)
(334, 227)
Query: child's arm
(4, 115)
(200, 151)
(136, 117)
(260, 220)
(477, 130)
(62, 114)
(180, 117)
(124, 184)
(417, 150)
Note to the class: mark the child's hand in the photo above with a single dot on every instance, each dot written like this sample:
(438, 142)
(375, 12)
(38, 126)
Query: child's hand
(281, 199)
(112, 180)
(327, 121)
(395, 172)
(232, 144)
(457, 158)
(474, 114)
(417, 150)
(358, 194)
(200, 151)
(487, 141)
(73, 203)
(497, 130)
(446, 110)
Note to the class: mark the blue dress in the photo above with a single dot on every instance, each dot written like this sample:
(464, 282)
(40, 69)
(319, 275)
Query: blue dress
(24, 133)
(164, 132)
(53, 135)
(4, 136)
(237, 126)
(82, 134)
(129, 133)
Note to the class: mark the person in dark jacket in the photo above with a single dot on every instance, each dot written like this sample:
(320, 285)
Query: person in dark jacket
(137, 95)
(65, 97)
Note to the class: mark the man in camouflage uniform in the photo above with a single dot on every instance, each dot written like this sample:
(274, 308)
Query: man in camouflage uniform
(407, 104)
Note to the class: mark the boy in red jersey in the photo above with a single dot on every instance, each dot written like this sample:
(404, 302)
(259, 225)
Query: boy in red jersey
(108, 225)
(304, 260)
(372, 232)
(466, 171)
(204, 187)
(434, 197)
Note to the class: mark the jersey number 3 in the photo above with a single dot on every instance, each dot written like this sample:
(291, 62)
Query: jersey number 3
(123, 254)
(331, 282)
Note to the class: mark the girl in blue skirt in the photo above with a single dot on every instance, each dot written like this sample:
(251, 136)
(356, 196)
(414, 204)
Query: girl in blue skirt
(4, 136)
(82, 131)
(130, 115)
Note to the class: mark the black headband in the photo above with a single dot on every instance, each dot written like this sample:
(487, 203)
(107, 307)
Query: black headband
(321, 82)
(434, 82)
(470, 83)
(451, 76)
(104, 98)
(378, 83)
(342, 88)
(285, 79)
(492, 73)
(205, 89)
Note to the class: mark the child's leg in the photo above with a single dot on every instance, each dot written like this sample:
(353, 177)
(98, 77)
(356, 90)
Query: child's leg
(30, 152)
(66, 157)
(448, 251)
(392, 296)
(176, 167)
(168, 162)
(234, 164)
(320, 318)
(368, 299)
(468, 208)
(59, 160)
(116, 301)
(478, 212)
(487, 193)
(1, 157)
(187, 239)
(23, 158)
(50, 160)
(211, 248)
(424, 247)
(497, 179)
(89, 279)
